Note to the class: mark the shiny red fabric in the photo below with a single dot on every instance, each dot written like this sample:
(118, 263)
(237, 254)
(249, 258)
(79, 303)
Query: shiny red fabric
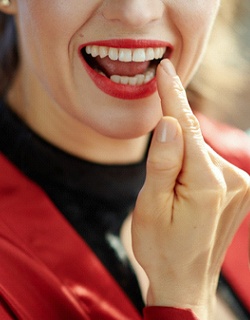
(46, 268)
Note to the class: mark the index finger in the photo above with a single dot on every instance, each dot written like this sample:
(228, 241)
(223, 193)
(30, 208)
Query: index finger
(175, 104)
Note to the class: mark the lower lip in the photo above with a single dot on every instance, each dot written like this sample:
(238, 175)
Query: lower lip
(121, 91)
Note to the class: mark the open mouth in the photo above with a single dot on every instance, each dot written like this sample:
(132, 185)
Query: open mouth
(126, 66)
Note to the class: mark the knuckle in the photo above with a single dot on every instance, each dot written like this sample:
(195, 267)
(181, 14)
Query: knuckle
(219, 189)
(244, 182)
(233, 186)
(238, 179)
(187, 117)
(220, 185)
(245, 179)
(179, 89)
(217, 179)
(240, 192)
(191, 122)
(216, 186)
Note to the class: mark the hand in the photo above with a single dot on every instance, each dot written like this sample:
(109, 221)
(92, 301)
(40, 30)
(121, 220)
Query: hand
(189, 208)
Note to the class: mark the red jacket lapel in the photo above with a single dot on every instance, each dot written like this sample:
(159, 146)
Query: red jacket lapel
(37, 237)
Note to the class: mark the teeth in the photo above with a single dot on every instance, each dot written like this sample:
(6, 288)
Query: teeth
(150, 53)
(95, 51)
(139, 55)
(139, 79)
(103, 52)
(113, 54)
(126, 55)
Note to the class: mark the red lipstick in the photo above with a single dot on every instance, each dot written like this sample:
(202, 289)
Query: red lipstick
(119, 90)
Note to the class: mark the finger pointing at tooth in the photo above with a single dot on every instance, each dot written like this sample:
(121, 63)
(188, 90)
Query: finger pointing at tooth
(175, 104)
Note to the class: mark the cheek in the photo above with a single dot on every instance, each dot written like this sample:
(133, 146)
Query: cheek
(193, 22)
(41, 31)
(48, 28)
(49, 36)
(46, 31)
(44, 26)
(58, 19)
(195, 16)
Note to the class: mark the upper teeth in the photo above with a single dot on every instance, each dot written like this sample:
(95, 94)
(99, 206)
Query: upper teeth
(126, 55)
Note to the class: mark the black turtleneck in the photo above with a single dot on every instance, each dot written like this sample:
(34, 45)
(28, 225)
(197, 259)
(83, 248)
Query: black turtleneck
(94, 198)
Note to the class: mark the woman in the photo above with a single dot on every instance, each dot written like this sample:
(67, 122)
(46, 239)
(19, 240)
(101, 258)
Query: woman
(91, 82)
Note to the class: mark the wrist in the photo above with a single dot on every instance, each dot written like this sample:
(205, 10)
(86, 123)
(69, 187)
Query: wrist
(168, 313)
(200, 302)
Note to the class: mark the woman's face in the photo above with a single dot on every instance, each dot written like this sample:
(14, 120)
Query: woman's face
(95, 60)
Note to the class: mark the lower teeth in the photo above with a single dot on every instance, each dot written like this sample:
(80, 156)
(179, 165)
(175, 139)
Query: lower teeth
(137, 80)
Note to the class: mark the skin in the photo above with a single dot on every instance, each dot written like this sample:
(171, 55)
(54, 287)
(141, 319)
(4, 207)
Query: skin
(192, 200)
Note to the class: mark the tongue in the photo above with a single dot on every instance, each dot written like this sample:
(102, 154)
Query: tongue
(130, 69)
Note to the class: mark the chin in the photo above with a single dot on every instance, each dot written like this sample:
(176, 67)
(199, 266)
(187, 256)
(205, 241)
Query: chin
(130, 128)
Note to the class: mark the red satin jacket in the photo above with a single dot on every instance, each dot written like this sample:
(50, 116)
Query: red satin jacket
(48, 272)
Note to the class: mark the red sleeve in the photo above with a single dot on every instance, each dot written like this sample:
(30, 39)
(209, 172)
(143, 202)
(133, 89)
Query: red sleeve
(168, 313)
(5, 312)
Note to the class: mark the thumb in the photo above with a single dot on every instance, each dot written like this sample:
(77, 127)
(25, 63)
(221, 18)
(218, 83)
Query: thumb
(165, 157)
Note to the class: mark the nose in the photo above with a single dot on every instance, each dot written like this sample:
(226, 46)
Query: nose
(135, 13)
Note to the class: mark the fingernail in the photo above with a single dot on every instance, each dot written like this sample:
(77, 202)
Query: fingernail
(166, 131)
(168, 67)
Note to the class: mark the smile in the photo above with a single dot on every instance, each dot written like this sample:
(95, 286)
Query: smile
(124, 68)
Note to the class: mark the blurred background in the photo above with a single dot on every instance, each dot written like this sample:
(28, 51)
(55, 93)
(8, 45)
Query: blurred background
(221, 88)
